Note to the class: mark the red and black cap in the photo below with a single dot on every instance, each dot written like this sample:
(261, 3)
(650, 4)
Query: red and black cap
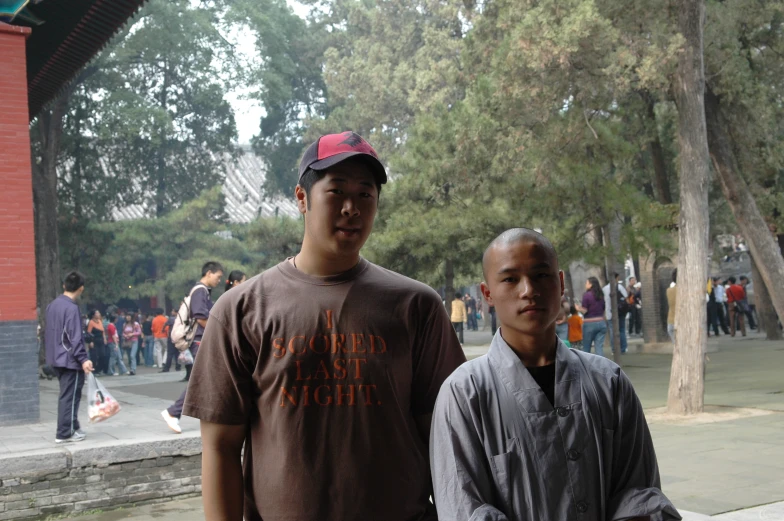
(332, 149)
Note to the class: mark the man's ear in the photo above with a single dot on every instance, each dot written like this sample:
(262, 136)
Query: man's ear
(485, 289)
(302, 199)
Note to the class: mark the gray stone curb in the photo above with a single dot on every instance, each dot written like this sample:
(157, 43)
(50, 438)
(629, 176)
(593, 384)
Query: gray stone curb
(75, 456)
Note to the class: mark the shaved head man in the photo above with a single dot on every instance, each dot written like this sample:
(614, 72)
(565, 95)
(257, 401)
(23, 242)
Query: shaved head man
(533, 429)
(514, 236)
(524, 283)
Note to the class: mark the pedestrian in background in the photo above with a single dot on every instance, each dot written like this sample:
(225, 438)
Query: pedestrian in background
(575, 322)
(635, 306)
(172, 354)
(719, 293)
(159, 338)
(623, 309)
(471, 312)
(235, 278)
(67, 355)
(672, 297)
(713, 316)
(201, 304)
(458, 316)
(744, 283)
(736, 296)
(594, 323)
(148, 341)
(98, 334)
(113, 346)
(132, 332)
(562, 327)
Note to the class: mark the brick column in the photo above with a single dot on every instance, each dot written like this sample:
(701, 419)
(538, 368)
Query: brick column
(655, 280)
(18, 324)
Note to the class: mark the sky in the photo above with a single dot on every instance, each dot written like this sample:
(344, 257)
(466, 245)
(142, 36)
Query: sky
(248, 112)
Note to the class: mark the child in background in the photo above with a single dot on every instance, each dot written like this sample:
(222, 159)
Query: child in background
(575, 322)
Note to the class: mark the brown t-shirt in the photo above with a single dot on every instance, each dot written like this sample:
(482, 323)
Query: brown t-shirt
(328, 373)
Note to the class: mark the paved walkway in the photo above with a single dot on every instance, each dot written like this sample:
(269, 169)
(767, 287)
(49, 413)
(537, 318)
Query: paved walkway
(139, 420)
(191, 509)
(726, 461)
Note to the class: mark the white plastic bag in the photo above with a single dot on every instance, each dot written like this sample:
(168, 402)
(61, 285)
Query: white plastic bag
(100, 404)
(185, 358)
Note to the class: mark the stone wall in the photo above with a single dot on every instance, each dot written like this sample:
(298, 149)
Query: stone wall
(18, 372)
(62, 481)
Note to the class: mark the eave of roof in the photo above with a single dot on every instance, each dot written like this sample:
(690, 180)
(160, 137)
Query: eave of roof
(73, 32)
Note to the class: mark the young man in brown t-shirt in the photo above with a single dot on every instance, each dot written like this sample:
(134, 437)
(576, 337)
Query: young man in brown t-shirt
(326, 366)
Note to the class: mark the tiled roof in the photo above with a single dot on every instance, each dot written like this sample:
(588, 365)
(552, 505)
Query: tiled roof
(242, 190)
(73, 31)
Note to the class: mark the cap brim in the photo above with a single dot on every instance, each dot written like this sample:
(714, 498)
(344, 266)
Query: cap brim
(375, 165)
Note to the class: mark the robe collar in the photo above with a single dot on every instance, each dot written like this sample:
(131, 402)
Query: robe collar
(522, 385)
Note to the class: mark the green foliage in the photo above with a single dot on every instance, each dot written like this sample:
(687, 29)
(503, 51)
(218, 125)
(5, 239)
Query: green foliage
(120, 259)
(161, 118)
(489, 115)
(275, 239)
(744, 62)
(178, 244)
(287, 81)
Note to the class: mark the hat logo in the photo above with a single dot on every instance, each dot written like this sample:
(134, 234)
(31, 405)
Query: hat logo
(352, 140)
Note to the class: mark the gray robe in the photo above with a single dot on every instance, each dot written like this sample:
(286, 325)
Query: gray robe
(500, 451)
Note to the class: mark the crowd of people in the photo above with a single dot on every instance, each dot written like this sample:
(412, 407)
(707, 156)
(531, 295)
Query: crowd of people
(120, 342)
(586, 324)
(344, 387)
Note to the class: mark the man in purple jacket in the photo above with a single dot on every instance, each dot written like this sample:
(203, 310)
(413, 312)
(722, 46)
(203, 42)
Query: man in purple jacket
(65, 352)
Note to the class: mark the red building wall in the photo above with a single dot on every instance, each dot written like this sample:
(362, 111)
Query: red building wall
(17, 247)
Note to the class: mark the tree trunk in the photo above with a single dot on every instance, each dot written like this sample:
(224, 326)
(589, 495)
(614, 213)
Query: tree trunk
(160, 189)
(762, 244)
(768, 319)
(636, 264)
(661, 180)
(687, 384)
(45, 200)
(570, 286)
(449, 284)
(611, 235)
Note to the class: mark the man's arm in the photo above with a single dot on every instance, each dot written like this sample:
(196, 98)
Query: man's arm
(461, 475)
(635, 492)
(202, 322)
(221, 471)
(74, 337)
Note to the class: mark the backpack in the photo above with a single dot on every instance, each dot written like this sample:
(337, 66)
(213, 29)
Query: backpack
(184, 328)
(623, 305)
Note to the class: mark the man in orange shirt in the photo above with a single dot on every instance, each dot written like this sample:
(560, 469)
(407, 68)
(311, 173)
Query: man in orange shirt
(159, 334)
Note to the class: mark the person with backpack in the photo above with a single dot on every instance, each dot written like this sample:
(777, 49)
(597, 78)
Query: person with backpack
(171, 351)
(623, 309)
(192, 318)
